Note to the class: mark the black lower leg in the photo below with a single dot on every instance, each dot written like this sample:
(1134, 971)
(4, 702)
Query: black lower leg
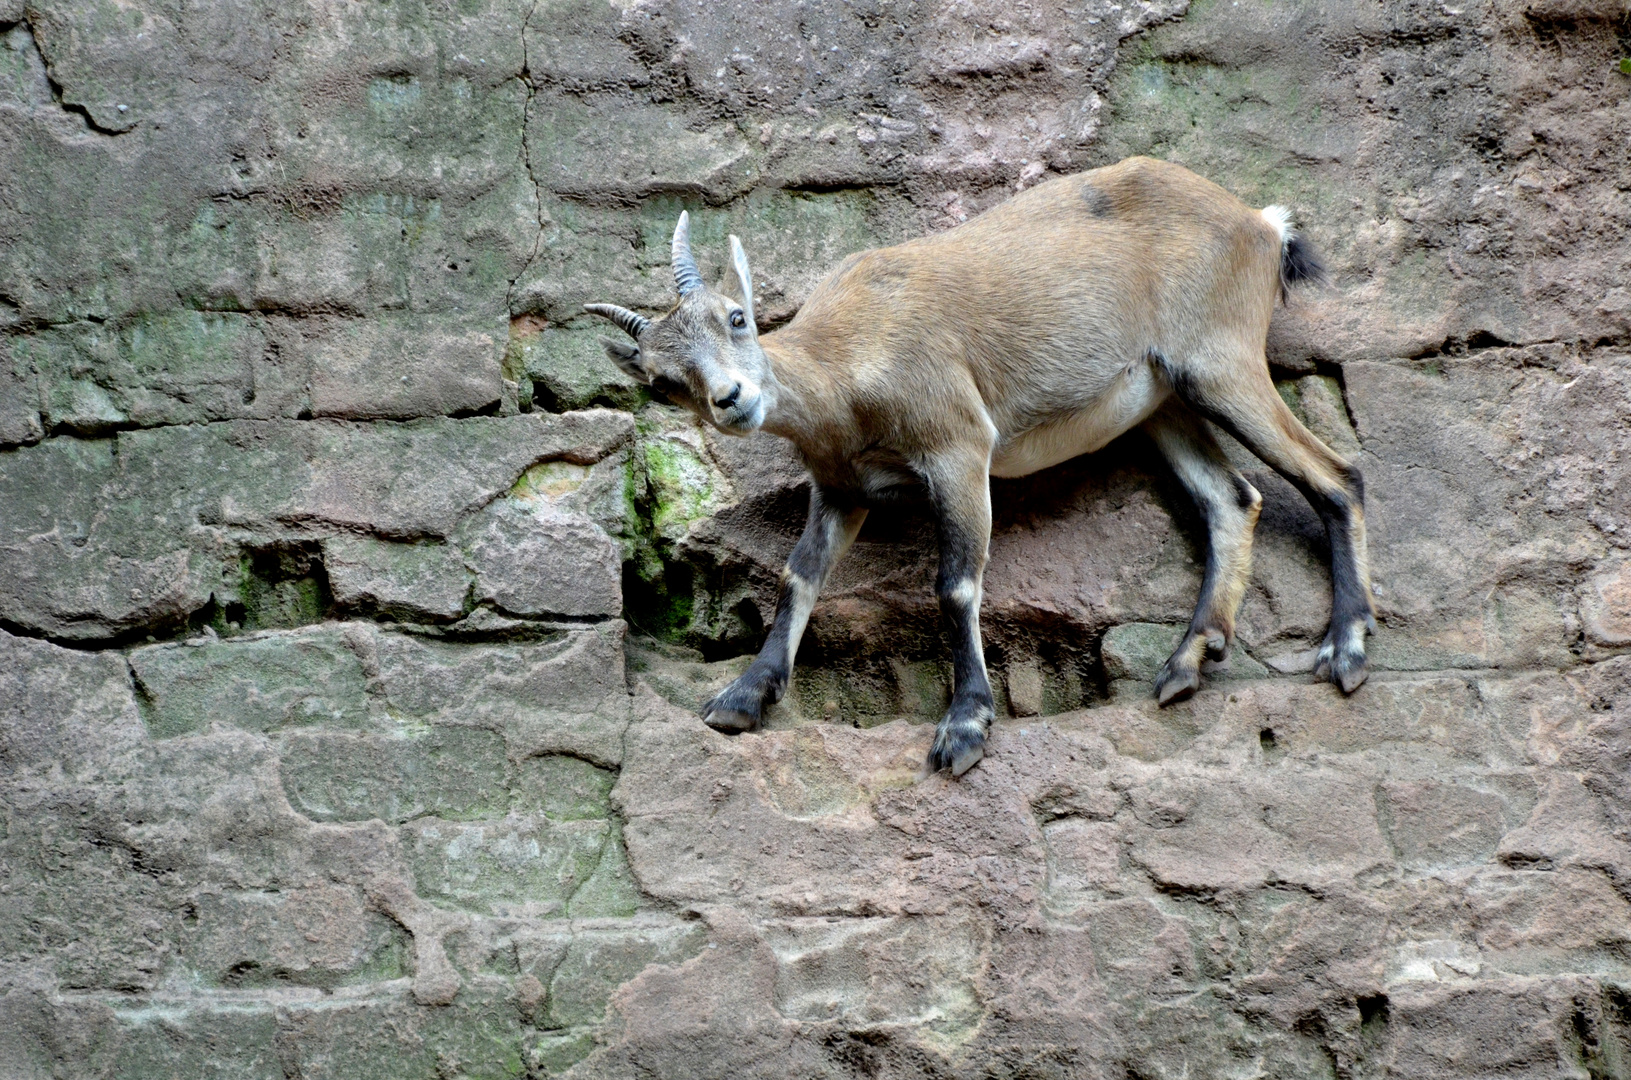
(960, 736)
(1228, 506)
(1335, 490)
(1180, 676)
(828, 530)
(1341, 657)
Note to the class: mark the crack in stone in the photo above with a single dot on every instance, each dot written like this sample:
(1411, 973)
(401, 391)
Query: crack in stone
(71, 108)
(526, 159)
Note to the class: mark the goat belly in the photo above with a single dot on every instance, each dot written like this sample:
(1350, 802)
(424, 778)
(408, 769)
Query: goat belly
(1129, 401)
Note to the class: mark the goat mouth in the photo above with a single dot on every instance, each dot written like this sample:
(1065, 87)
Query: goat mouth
(744, 418)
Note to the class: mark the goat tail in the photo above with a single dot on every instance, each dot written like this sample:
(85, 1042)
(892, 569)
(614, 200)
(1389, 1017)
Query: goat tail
(1299, 262)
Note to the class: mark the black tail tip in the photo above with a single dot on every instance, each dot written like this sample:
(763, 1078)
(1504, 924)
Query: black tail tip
(1299, 263)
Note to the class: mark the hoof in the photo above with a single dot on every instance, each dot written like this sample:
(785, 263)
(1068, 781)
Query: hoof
(1342, 656)
(959, 739)
(1176, 683)
(730, 721)
(740, 706)
(1180, 676)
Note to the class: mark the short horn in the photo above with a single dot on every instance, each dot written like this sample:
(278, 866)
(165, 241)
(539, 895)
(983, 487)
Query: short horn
(630, 323)
(686, 274)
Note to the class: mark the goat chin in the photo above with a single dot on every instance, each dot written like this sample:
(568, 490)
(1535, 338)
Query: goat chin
(739, 421)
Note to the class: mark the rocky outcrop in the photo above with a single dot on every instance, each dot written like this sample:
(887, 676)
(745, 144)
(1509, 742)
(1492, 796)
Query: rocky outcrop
(354, 609)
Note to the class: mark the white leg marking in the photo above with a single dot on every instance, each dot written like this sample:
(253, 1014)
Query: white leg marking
(965, 593)
(804, 602)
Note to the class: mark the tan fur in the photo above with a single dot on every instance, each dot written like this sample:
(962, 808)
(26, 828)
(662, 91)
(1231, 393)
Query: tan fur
(1038, 314)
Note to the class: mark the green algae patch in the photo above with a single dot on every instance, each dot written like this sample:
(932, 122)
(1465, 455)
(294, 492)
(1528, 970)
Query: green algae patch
(283, 587)
(670, 483)
(682, 486)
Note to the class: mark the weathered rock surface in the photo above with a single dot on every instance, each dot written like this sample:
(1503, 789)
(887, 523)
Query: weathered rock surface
(354, 609)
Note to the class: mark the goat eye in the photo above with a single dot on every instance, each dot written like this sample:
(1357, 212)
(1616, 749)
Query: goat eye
(738, 320)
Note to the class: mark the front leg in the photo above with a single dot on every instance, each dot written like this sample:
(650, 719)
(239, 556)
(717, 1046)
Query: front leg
(961, 492)
(828, 533)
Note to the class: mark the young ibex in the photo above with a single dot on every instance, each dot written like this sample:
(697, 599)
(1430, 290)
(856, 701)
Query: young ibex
(1137, 294)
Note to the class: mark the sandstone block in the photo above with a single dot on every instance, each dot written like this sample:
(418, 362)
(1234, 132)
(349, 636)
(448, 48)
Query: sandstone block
(655, 151)
(570, 369)
(517, 865)
(1084, 860)
(320, 935)
(62, 709)
(1606, 604)
(562, 787)
(1484, 482)
(78, 571)
(201, 1038)
(38, 1028)
(611, 891)
(1505, 1026)
(19, 400)
(1436, 825)
(1319, 826)
(385, 1035)
(1528, 922)
(532, 558)
(565, 694)
(262, 683)
(424, 580)
(1137, 650)
(406, 367)
(1025, 688)
(170, 368)
(77, 908)
(455, 772)
(708, 819)
(923, 972)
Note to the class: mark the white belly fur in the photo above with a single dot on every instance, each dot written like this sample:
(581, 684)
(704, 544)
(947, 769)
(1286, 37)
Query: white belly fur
(1135, 394)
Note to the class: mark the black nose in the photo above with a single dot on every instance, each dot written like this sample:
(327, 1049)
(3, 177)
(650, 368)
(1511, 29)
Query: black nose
(729, 399)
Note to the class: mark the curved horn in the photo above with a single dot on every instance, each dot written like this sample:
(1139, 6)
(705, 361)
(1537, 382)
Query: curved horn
(686, 274)
(630, 323)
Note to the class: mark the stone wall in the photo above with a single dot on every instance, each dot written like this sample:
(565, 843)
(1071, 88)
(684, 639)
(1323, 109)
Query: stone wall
(354, 610)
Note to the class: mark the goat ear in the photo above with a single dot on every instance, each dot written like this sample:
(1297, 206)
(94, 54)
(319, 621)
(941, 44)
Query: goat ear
(739, 279)
(626, 356)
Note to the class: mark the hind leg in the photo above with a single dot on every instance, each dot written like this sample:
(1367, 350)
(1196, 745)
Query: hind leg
(1233, 390)
(1229, 506)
